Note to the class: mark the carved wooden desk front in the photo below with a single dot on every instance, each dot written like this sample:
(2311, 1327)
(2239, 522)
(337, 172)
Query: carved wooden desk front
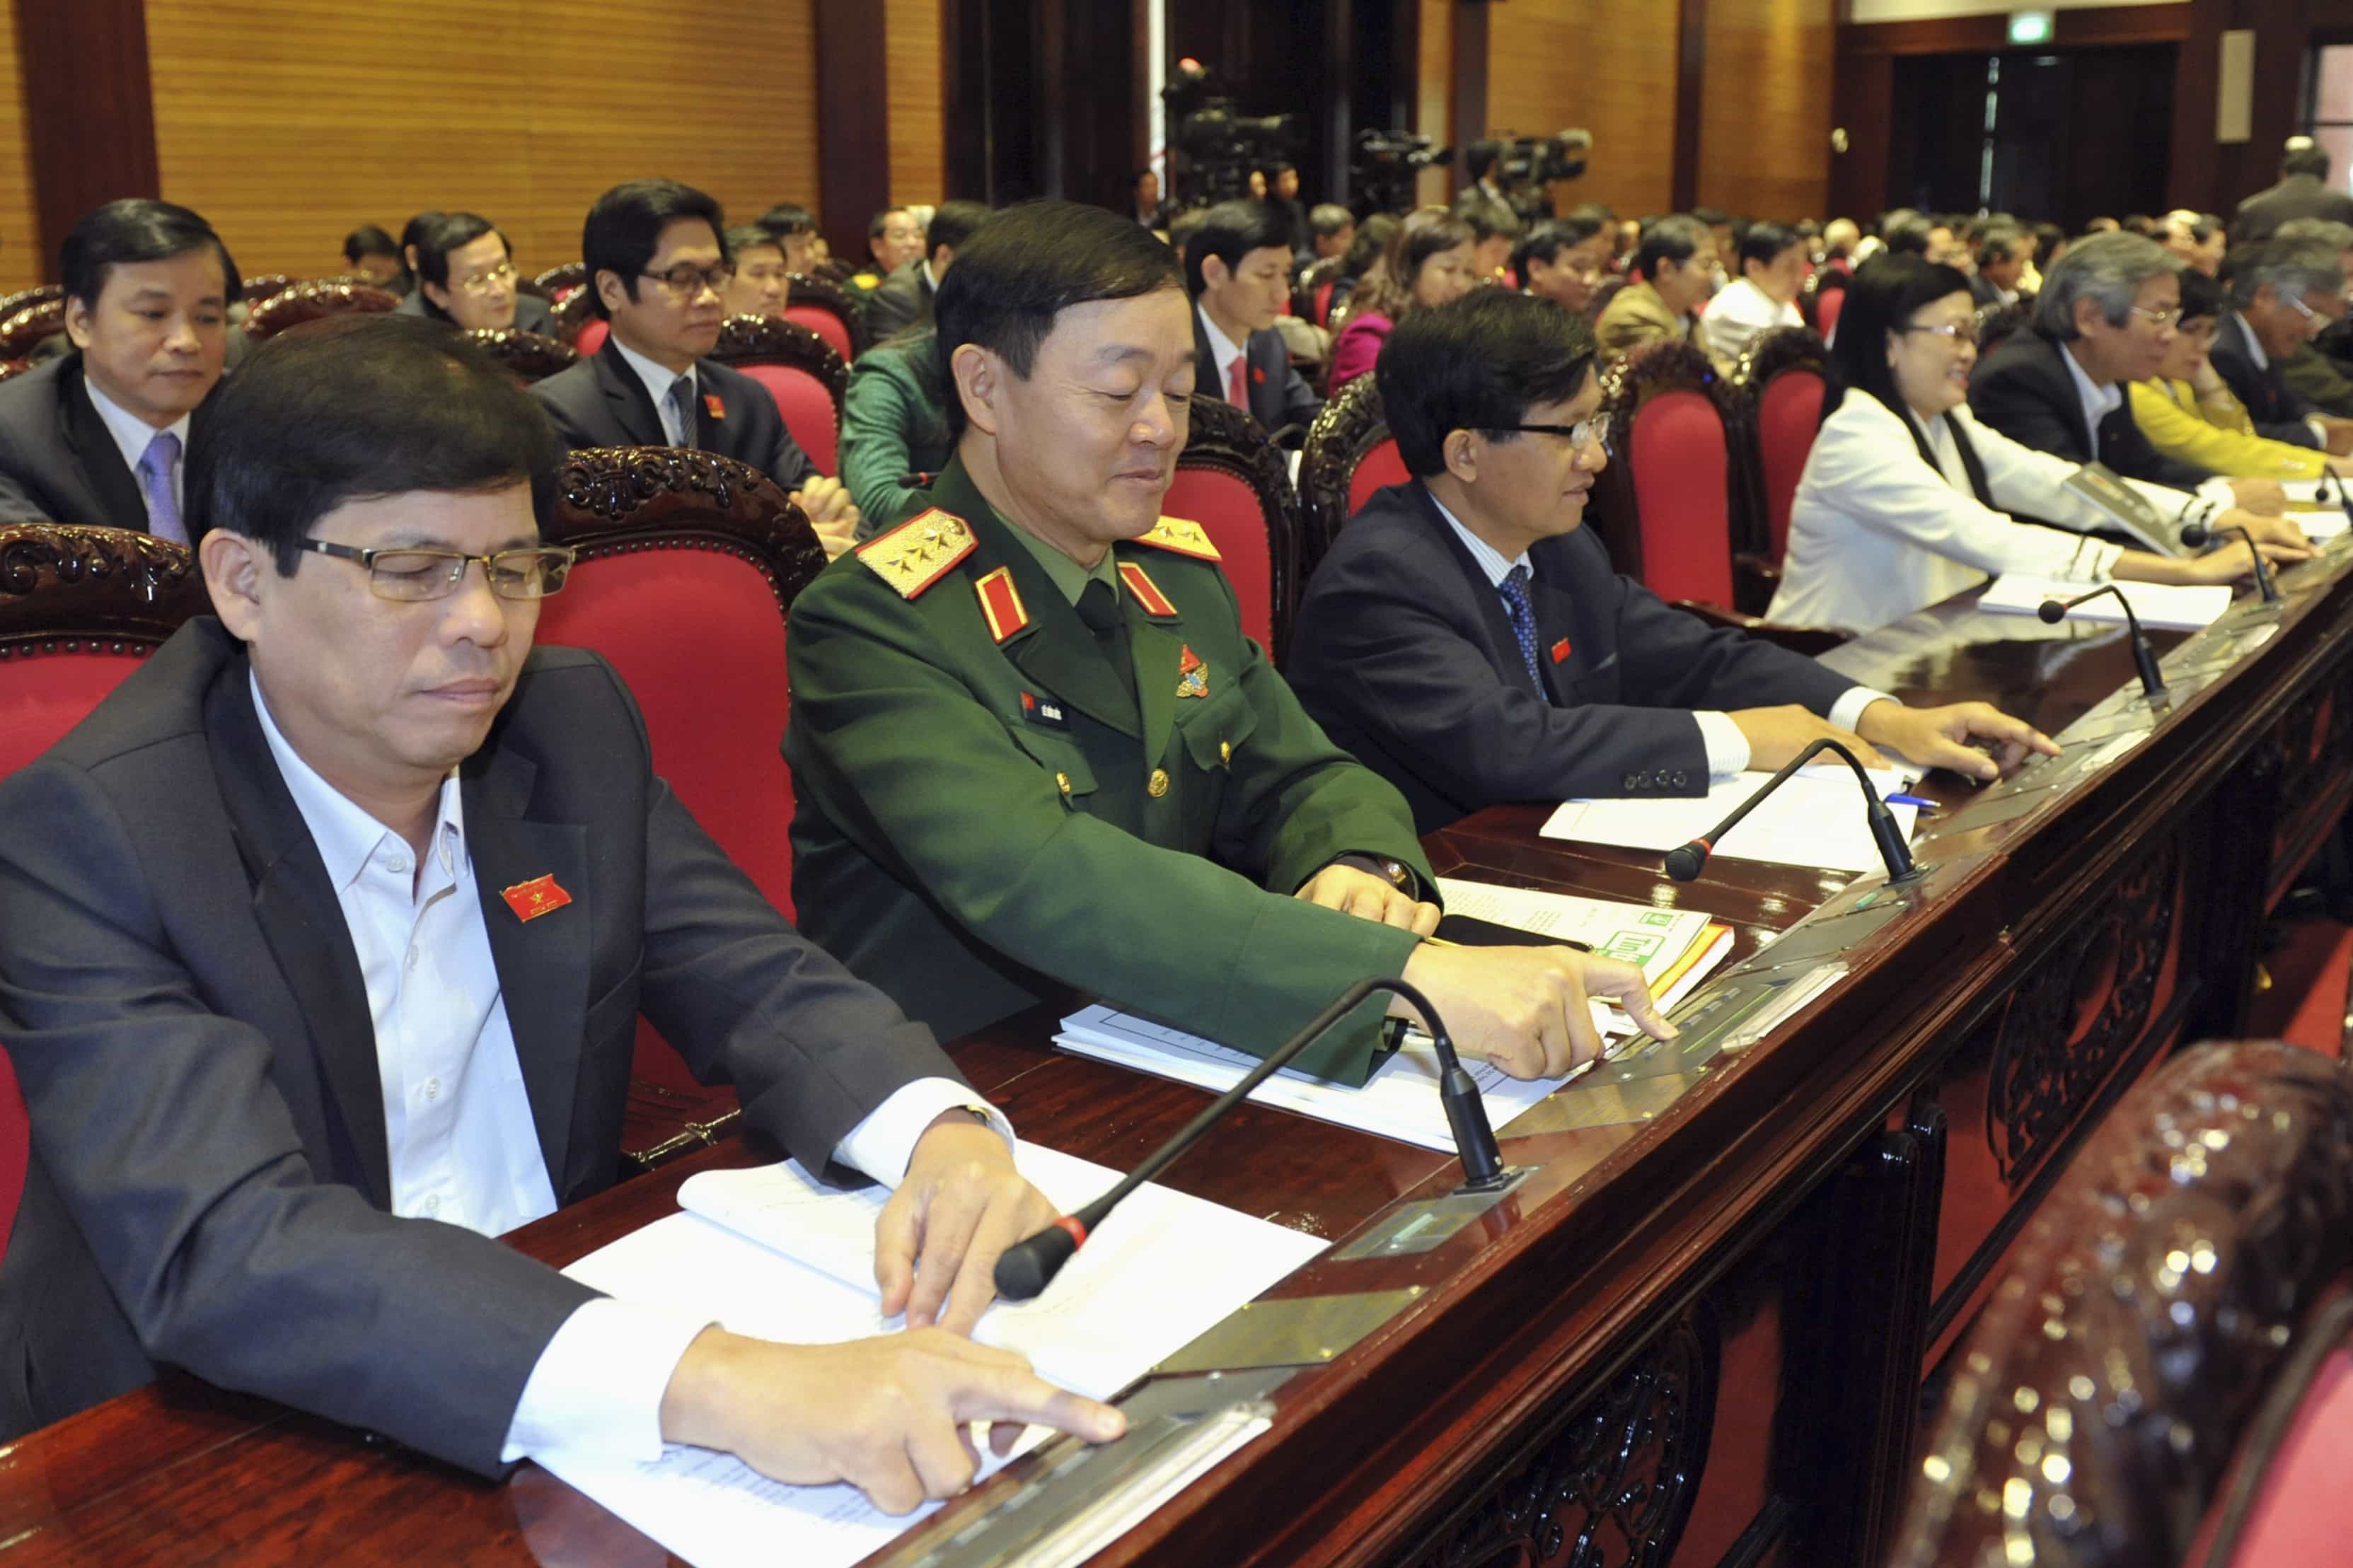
(1699, 1330)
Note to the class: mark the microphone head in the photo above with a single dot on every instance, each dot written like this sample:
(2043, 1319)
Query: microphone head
(1027, 1267)
(1685, 862)
(2197, 535)
(2051, 611)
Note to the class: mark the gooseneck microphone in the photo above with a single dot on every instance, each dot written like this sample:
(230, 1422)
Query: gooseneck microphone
(1684, 863)
(2343, 497)
(1028, 1267)
(2152, 684)
(2197, 535)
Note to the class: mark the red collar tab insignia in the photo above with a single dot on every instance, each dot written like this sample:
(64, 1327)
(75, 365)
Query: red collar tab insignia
(919, 552)
(1147, 593)
(536, 897)
(1184, 538)
(1560, 651)
(1192, 675)
(712, 405)
(1000, 601)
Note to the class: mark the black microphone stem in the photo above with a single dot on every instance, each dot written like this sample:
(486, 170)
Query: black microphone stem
(2197, 534)
(2152, 683)
(1027, 1267)
(1684, 863)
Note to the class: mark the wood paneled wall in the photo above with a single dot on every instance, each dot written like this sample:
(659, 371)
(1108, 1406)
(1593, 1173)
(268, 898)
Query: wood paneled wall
(1765, 114)
(911, 36)
(21, 260)
(287, 123)
(1555, 63)
(1434, 103)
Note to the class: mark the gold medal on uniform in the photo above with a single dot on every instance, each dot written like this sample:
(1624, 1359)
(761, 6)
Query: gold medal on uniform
(1192, 675)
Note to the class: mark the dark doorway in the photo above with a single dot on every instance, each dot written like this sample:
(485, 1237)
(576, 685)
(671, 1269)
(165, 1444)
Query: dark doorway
(2060, 136)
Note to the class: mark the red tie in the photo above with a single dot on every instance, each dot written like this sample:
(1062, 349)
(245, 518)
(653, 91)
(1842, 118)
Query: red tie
(1238, 390)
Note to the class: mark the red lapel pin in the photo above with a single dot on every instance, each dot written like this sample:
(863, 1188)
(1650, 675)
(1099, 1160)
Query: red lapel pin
(1560, 651)
(713, 407)
(536, 897)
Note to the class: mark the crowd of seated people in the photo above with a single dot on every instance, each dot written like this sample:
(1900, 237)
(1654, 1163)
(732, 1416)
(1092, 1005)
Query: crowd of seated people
(349, 716)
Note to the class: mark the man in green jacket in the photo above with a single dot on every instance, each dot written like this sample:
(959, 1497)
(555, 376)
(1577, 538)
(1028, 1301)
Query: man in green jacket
(1031, 745)
(894, 430)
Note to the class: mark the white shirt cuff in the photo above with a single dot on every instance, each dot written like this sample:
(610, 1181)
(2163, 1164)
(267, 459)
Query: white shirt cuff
(1727, 747)
(2217, 488)
(1847, 711)
(881, 1145)
(2320, 428)
(598, 1386)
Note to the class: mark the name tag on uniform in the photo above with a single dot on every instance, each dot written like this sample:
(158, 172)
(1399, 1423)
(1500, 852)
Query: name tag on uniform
(536, 897)
(1043, 711)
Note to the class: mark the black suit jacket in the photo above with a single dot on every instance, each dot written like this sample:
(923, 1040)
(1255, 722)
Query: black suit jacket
(533, 314)
(180, 994)
(2277, 409)
(1279, 394)
(1403, 653)
(600, 402)
(2023, 389)
(903, 300)
(57, 462)
(2296, 197)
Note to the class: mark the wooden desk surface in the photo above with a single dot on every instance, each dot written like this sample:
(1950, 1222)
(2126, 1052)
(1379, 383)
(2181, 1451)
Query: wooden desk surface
(1703, 1208)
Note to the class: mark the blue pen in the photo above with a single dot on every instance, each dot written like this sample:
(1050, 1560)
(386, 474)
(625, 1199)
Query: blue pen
(1911, 800)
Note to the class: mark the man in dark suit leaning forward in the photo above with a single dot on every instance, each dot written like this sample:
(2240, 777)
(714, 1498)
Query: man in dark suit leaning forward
(1238, 269)
(658, 264)
(325, 966)
(1468, 640)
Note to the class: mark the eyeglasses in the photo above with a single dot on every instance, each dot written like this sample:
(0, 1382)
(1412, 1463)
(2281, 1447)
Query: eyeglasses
(484, 282)
(1584, 433)
(687, 281)
(1951, 332)
(2160, 320)
(413, 574)
(2313, 322)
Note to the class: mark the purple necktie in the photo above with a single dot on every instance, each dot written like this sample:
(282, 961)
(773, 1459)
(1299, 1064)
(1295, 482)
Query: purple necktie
(155, 468)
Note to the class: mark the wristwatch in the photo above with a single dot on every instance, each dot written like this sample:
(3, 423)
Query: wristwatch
(1395, 873)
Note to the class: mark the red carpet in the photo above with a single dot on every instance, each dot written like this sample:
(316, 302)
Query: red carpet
(2307, 1002)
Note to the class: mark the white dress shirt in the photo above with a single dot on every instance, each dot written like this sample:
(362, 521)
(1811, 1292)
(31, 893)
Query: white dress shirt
(1725, 746)
(1224, 352)
(132, 434)
(1875, 533)
(1738, 312)
(659, 379)
(462, 1145)
(2099, 402)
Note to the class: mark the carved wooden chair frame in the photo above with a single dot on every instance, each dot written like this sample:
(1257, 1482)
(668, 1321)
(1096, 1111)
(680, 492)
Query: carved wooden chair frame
(67, 588)
(1627, 386)
(25, 329)
(771, 340)
(572, 315)
(2233, 1157)
(1343, 436)
(305, 302)
(533, 356)
(262, 285)
(1229, 440)
(557, 280)
(622, 500)
(12, 304)
(828, 295)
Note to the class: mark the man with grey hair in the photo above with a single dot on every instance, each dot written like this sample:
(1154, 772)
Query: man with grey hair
(2321, 371)
(2282, 293)
(2104, 319)
(2303, 191)
(2004, 251)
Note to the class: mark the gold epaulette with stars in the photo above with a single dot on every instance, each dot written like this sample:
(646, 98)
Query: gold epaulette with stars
(1184, 538)
(919, 552)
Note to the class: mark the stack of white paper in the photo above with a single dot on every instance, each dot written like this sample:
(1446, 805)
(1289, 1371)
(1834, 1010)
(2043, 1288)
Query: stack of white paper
(1816, 819)
(2162, 606)
(780, 1257)
(1675, 949)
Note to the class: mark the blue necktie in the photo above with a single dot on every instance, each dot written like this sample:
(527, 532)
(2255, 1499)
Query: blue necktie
(1515, 589)
(155, 472)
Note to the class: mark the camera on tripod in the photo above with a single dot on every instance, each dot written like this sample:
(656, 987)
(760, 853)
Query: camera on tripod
(1386, 164)
(1220, 147)
(1526, 165)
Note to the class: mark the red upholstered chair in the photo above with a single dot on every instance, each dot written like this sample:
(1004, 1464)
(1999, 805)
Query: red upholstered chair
(1826, 306)
(576, 321)
(24, 331)
(1783, 379)
(2160, 1376)
(301, 303)
(807, 379)
(560, 283)
(825, 307)
(12, 304)
(528, 356)
(16, 1147)
(688, 564)
(1347, 457)
(79, 607)
(1310, 296)
(1232, 481)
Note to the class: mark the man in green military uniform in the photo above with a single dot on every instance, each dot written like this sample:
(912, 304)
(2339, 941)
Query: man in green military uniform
(1031, 743)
